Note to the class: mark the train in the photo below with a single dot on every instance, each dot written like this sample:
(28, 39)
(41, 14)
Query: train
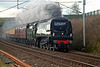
(53, 34)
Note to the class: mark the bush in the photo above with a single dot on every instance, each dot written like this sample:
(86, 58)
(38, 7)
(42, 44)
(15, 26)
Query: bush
(92, 34)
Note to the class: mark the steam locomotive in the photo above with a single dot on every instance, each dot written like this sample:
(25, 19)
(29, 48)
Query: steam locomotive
(51, 34)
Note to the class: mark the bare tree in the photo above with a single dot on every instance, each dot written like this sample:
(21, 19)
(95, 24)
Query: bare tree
(75, 9)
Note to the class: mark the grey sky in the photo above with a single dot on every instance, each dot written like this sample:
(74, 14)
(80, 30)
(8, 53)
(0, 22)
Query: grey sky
(12, 0)
(91, 5)
(4, 4)
(7, 4)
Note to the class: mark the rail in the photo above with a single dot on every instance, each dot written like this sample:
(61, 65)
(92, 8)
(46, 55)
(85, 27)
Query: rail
(18, 61)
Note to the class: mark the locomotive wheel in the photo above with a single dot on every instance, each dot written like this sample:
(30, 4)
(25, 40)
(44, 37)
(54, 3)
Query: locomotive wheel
(66, 50)
(26, 42)
(54, 46)
(53, 49)
(50, 48)
(37, 43)
(44, 47)
(40, 46)
(47, 47)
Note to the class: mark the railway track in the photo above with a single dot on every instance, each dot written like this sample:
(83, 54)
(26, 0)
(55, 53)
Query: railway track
(53, 62)
(86, 55)
(80, 56)
(55, 59)
(18, 61)
(71, 52)
(83, 57)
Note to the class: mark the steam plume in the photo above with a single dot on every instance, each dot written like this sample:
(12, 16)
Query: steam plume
(38, 10)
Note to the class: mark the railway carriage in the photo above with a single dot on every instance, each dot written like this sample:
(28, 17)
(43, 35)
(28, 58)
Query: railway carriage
(10, 34)
(53, 34)
(20, 33)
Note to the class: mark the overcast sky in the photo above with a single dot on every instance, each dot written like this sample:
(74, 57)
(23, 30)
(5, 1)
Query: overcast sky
(91, 5)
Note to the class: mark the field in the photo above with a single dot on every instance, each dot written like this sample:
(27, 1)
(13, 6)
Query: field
(92, 34)
(0, 32)
(2, 61)
(3, 65)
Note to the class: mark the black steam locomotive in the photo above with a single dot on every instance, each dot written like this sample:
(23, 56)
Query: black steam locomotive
(50, 34)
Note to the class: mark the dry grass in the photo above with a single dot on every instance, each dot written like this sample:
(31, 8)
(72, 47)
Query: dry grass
(92, 34)
(0, 32)
(2, 61)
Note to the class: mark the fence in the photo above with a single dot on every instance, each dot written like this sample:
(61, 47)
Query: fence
(93, 13)
(97, 12)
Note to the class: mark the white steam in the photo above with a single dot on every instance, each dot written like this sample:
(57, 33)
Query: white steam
(38, 10)
(34, 11)
(8, 25)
